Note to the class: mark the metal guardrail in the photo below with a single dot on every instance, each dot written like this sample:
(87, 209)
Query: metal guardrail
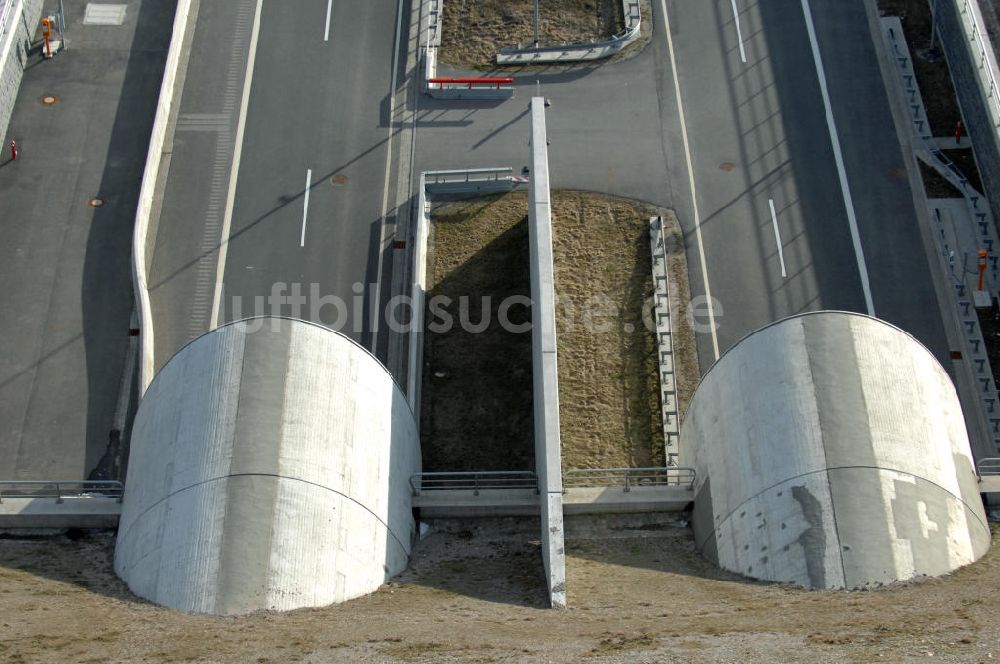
(627, 478)
(990, 466)
(468, 175)
(60, 489)
(473, 481)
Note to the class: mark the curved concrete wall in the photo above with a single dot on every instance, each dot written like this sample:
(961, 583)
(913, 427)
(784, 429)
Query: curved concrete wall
(269, 469)
(831, 452)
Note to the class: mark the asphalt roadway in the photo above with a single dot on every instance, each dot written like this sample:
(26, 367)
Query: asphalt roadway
(755, 135)
(66, 266)
(306, 207)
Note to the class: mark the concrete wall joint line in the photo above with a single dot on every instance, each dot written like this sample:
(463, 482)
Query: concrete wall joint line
(859, 467)
(128, 527)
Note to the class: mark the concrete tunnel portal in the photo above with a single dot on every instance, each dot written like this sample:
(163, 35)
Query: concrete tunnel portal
(271, 461)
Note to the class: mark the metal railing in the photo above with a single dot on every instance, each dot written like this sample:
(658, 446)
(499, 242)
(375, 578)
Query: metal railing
(985, 64)
(473, 481)
(60, 489)
(627, 478)
(6, 7)
(468, 175)
(990, 466)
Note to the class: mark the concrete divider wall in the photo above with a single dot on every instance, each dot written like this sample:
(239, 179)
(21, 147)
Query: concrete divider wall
(548, 457)
(972, 61)
(418, 292)
(143, 238)
(15, 42)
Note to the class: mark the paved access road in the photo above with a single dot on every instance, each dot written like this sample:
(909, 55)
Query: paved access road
(754, 133)
(66, 266)
(763, 131)
(281, 149)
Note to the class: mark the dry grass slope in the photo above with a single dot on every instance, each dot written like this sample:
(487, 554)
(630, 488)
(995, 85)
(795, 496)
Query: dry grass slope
(477, 386)
(474, 30)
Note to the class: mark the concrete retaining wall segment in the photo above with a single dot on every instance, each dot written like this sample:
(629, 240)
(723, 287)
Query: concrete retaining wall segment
(142, 238)
(14, 49)
(968, 67)
(421, 231)
(548, 458)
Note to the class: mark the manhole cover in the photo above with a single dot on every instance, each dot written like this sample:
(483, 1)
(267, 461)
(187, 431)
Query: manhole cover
(727, 167)
(49, 100)
(96, 202)
(338, 180)
(104, 14)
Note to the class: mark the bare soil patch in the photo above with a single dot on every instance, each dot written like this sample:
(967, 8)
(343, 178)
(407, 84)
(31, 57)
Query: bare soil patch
(474, 594)
(476, 411)
(477, 385)
(609, 399)
(474, 30)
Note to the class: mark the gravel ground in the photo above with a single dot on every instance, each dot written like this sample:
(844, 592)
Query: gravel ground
(474, 593)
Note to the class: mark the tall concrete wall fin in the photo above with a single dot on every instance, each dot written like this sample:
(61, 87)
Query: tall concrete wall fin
(548, 456)
(269, 469)
(831, 452)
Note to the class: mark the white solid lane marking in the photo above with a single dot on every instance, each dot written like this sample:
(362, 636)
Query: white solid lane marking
(839, 159)
(777, 236)
(388, 168)
(227, 220)
(694, 192)
(305, 207)
(739, 32)
(329, 14)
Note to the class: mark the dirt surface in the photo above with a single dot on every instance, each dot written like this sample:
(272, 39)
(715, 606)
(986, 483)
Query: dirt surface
(474, 30)
(474, 594)
(477, 385)
(609, 400)
(477, 398)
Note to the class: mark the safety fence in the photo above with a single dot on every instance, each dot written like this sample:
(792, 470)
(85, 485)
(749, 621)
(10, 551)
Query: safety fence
(474, 481)
(624, 478)
(61, 489)
(989, 466)
(629, 478)
(6, 11)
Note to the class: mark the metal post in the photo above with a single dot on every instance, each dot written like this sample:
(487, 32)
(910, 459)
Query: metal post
(62, 25)
(933, 22)
(536, 23)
